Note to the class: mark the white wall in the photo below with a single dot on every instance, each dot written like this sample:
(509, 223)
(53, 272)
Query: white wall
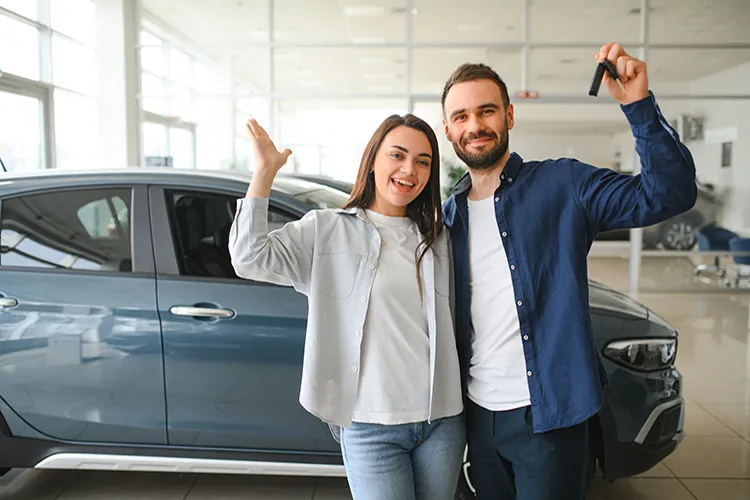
(596, 149)
(734, 115)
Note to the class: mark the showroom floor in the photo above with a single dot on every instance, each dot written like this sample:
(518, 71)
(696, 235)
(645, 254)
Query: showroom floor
(712, 463)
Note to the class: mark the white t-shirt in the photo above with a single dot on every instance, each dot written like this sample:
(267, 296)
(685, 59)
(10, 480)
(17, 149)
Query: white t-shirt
(394, 384)
(497, 376)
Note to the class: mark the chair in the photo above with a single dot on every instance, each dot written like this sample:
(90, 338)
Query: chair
(713, 238)
(740, 245)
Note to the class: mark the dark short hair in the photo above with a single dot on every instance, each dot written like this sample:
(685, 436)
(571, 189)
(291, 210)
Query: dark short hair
(470, 72)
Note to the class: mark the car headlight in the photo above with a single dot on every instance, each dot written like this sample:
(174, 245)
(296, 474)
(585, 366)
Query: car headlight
(643, 354)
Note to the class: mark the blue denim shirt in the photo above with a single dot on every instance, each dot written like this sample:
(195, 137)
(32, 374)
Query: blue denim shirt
(549, 213)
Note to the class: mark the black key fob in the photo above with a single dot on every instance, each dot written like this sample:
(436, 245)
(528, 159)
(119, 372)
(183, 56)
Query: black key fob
(596, 83)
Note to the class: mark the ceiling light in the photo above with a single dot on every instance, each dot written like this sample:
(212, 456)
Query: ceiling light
(404, 10)
(637, 11)
(364, 10)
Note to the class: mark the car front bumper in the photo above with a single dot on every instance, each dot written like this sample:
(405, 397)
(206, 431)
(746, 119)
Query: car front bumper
(660, 435)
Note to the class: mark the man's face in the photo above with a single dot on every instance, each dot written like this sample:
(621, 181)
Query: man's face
(477, 123)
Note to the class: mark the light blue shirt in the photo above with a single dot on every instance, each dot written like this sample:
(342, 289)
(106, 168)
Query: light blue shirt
(332, 256)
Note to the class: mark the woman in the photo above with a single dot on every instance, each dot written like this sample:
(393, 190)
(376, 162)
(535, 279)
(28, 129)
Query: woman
(380, 358)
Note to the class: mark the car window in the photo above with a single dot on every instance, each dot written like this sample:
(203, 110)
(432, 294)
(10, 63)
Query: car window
(105, 217)
(200, 224)
(323, 198)
(74, 229)
(316, 195)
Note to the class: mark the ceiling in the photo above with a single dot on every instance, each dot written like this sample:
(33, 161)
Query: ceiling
(235, 28)
(241, 22)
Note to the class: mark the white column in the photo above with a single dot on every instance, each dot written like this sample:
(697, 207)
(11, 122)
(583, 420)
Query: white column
(119, 71)
(216, 120)
(636, 235)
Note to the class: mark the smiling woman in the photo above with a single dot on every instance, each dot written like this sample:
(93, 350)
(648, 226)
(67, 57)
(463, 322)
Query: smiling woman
(379, 267)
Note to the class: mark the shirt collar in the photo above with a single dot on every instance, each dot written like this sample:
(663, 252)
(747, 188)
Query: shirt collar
(515, 162)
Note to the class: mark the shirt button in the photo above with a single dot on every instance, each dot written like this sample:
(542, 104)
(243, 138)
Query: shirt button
(497, 198)
(510, 179)
(505, 234)
(520, 303)
(528, 373)
(354, 369)
(526, 337)
(359, 333)
(363, 299)
(372, 266)
(512, 268)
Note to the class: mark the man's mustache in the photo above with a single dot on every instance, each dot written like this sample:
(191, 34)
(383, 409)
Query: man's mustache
(478, 135)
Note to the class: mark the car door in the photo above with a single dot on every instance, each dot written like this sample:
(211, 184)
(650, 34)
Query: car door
(232, 348)
(80, 341)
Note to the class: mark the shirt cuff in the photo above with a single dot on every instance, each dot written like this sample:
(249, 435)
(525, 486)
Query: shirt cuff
(643, 111)
(252, 203)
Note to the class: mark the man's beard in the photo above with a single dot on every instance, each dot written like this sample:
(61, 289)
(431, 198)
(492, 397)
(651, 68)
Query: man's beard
(482, 160)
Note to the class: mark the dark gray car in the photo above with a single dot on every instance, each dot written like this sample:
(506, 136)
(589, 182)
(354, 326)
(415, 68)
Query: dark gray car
(126, 340)
(680, 232)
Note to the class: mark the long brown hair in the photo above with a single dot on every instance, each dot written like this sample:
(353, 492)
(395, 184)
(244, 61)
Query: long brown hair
(426, 209)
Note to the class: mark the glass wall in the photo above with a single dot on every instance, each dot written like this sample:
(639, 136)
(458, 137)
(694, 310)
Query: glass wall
(53, 60)
(321, 80)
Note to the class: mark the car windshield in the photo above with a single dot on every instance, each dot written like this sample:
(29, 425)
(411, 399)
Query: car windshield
(316, 195)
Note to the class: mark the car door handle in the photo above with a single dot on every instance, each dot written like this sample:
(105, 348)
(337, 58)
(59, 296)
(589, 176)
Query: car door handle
(8, 302)
(200, 312)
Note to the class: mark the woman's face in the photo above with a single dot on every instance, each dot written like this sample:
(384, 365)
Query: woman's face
(402, 170)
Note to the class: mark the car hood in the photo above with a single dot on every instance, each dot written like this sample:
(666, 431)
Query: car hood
(604, 298)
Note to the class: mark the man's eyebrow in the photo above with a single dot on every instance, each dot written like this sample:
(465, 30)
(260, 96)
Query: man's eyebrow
(458, 112)
(488, 105)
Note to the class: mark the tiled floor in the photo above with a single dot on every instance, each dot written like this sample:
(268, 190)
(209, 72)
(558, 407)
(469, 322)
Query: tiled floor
(713, 463)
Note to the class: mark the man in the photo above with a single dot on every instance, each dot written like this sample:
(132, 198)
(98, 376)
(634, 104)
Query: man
(521, 233)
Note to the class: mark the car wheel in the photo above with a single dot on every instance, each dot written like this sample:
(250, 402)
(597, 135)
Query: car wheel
(679, 234)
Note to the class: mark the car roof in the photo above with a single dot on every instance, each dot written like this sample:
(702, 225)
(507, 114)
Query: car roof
(287, 184)
(136, 172)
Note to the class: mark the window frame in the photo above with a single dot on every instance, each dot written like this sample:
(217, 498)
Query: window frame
(165, 252)
(140, 234)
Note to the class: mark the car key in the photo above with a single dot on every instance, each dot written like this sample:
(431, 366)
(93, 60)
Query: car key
(599, 75)
(597, 81)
